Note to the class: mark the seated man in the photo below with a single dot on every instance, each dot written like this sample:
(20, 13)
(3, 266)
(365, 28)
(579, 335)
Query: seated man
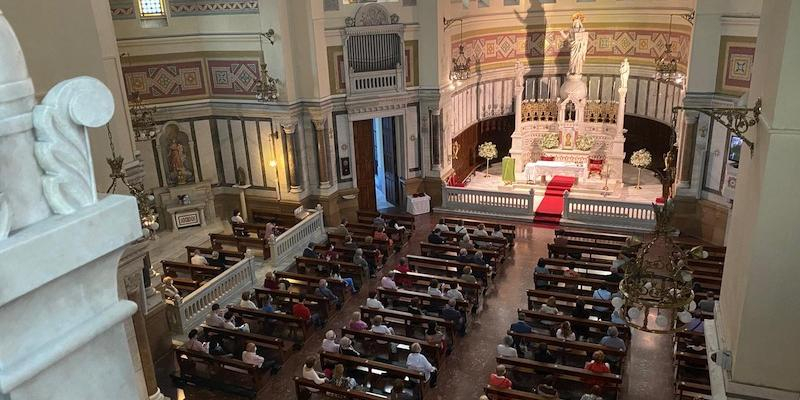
(198, 259)
(612, 340)
(541, 268)
(498, 379)
(194, 344)
(250, 356)
(325, 292)
(450, 313)
(521, 326)
(301, 310)
(436, 237)
(309, 252)
(387, 282)
(707, 304)
(214, 318)
(601, 293)
(217, 259)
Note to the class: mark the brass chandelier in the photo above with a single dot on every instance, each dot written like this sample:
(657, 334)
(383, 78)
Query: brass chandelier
(461, 63)
(266, 87)
(142, 118)
(666, 64)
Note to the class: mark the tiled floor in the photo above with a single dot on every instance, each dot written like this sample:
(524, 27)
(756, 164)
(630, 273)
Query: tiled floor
(647, 376)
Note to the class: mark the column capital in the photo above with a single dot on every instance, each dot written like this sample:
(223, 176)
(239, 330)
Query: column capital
(691, 117)
(289, 125)
(319, 122)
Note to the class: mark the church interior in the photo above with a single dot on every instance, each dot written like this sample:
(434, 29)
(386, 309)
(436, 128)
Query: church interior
(399, 199)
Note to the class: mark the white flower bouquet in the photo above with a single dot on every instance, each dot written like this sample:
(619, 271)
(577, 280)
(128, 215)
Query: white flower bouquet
(641, 159)
(549, 140)
(584, 143)
(487, 150)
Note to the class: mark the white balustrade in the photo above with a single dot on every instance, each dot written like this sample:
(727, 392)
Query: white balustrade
(391, 80)
(289, 244)
(487, 203)
(224, 289)
(608, 213)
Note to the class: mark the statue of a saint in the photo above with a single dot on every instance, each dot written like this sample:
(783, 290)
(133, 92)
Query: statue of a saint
(624, 72)
(176, 157)
(578, 44)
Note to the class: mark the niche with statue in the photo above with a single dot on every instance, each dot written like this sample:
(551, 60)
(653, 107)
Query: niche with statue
(176, 149)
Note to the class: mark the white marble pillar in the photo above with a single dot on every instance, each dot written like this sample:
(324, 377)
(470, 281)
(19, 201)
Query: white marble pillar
(292, 155)
(517, 152)
(323, 160)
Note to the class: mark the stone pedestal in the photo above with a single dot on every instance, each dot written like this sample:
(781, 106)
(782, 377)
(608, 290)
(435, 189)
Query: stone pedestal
(68, 341)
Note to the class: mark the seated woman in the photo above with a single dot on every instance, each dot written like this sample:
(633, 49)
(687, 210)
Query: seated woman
(419, 362)
(403, 268)
(441, 226)
(356, 323)
(340, 380)
(436, 337)
(547, 388)
(336, 275)
(380, 234)
(598, 366)
(565, 332)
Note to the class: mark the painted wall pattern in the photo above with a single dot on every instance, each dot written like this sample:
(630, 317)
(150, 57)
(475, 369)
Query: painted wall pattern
(192, 79)
(233, 77)
(640, 44)
(735, 66)
(125, 9)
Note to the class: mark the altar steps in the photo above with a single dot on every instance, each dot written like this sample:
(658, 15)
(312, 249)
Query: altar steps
(548, 214)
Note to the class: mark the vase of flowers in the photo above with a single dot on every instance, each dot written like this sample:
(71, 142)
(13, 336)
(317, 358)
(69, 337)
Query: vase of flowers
(550, 140)
(584, 143)
(641, 159)
(488, 151)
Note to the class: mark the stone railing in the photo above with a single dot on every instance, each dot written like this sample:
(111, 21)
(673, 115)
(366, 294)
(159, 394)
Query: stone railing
(289, 244)
(391, 80)
(225, 288)
(497, 204)
(608, 214)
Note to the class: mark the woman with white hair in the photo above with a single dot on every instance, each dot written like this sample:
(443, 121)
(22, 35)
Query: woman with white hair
(329, 343)
(419, 362)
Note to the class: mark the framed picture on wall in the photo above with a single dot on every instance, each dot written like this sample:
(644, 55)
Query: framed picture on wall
(345, 166)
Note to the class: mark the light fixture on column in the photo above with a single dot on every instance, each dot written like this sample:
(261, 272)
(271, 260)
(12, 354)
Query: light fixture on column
(736, 119)
(667, 64)
(266, 87)
(461, 63)
(142, 118)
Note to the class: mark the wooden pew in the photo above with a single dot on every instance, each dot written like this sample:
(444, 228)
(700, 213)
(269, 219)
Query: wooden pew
(303, 387)
(259, 229)
(231, 257)
(509, 230)
(691, 391)
(241, 244)
(451, 252)
(264, 216)
(451, 268)
(554, 250)
(402, 219)
(541, 296)
(410, 323)
(472, 291)
(221, 373)
(367, 229)
(370, 340)
(198, 273)
(579, 285)
(347, 254)
(510, 394)
(426, 301)
(496, 244)
(186, 285)
(307, 265)
(562, 372)
(597, 328)
(565, 348)
(311, 282)
(378, 374)
(284, 300)
(592, 237)
(381, 244)
(260, 318)
(276, 346)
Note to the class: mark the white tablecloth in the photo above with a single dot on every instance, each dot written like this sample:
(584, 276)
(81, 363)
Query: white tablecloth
(541, 168)
(418, 205)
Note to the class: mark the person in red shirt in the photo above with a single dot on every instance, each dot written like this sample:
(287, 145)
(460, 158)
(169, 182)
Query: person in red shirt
(498, 379)
(270, 282)
(402, 267)
(598, 366)
(301, 310)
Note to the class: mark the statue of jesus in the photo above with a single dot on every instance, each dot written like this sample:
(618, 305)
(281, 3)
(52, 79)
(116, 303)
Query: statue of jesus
(624, 72)
(578, 44)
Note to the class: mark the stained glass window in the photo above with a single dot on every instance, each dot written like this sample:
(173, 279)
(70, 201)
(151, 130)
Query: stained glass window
(152, 8)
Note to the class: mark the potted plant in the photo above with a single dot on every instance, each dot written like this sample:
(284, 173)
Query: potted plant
(641, 159)
(488, 151)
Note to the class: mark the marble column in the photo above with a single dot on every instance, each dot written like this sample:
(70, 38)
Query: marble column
(754, 331)
(686, 148)
(292, 155)
(517, 151)
(323, 158)
(135, 293)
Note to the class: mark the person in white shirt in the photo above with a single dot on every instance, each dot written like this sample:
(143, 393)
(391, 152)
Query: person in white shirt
(433, 288)
(498, 232)
(269, 230)
(379, 328)
(460, 228)
(481, 231)
(214, 319)
(373, 302)
(387, 282)
(549, 308)
(246, 302)
(441, 226)
(249, 355)
(453, 293)
(418, 362)
(565, 332)
(198, 259)
(194, 344)
(312, 375)
(169, 290)
(230, 323)
(506, 349)
(237, 216)
(329, 343)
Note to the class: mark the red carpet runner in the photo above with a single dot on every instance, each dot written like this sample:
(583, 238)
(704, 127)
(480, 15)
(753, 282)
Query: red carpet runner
(549, 211)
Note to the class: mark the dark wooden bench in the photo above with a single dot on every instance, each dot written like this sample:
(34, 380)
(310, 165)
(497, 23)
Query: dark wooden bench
(592, 237)
(410, 323)
(471, 291)
(221, 373)
(304, 387)
(311, 282)
(231, 257)
(257, 318)
(451, 268)
(376, 374)
(568, 347)
(510, 394)
(306, 265)
(691, 390)
(198, 273)
(264, 216)
(347, 254)
(241, 243)
(591, 252)
(518, 366)
(379, 345)
(565, 301)
(406, 220)
(426, 301)
(451, 252)
(260, 230)
(509, 230)
(381, 244)
(276, 346)
(284, 300)
(186, 285)
(596, 328)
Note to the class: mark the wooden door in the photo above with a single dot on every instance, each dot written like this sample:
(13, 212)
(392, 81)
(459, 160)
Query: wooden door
(365, 164)
(390, 160)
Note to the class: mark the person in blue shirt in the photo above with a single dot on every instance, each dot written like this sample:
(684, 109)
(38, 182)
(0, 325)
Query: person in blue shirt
(541, 268)
(521, 326)
(601, 293)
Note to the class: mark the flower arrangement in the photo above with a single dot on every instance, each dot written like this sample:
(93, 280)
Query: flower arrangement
(550, 140)
(641, 159)
(584, 143)
(487, 150)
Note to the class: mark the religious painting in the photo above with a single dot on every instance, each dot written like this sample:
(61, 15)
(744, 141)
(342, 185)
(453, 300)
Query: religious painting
(176, 153)
(568, 139)
(734, 69)
(345, 166)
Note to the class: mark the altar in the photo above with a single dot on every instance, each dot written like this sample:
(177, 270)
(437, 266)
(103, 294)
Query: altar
(534, 170)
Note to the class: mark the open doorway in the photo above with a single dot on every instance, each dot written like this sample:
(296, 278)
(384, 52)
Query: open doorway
(376, 163)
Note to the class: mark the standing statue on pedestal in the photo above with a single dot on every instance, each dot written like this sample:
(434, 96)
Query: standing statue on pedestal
(624, 72)
(578, 44)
